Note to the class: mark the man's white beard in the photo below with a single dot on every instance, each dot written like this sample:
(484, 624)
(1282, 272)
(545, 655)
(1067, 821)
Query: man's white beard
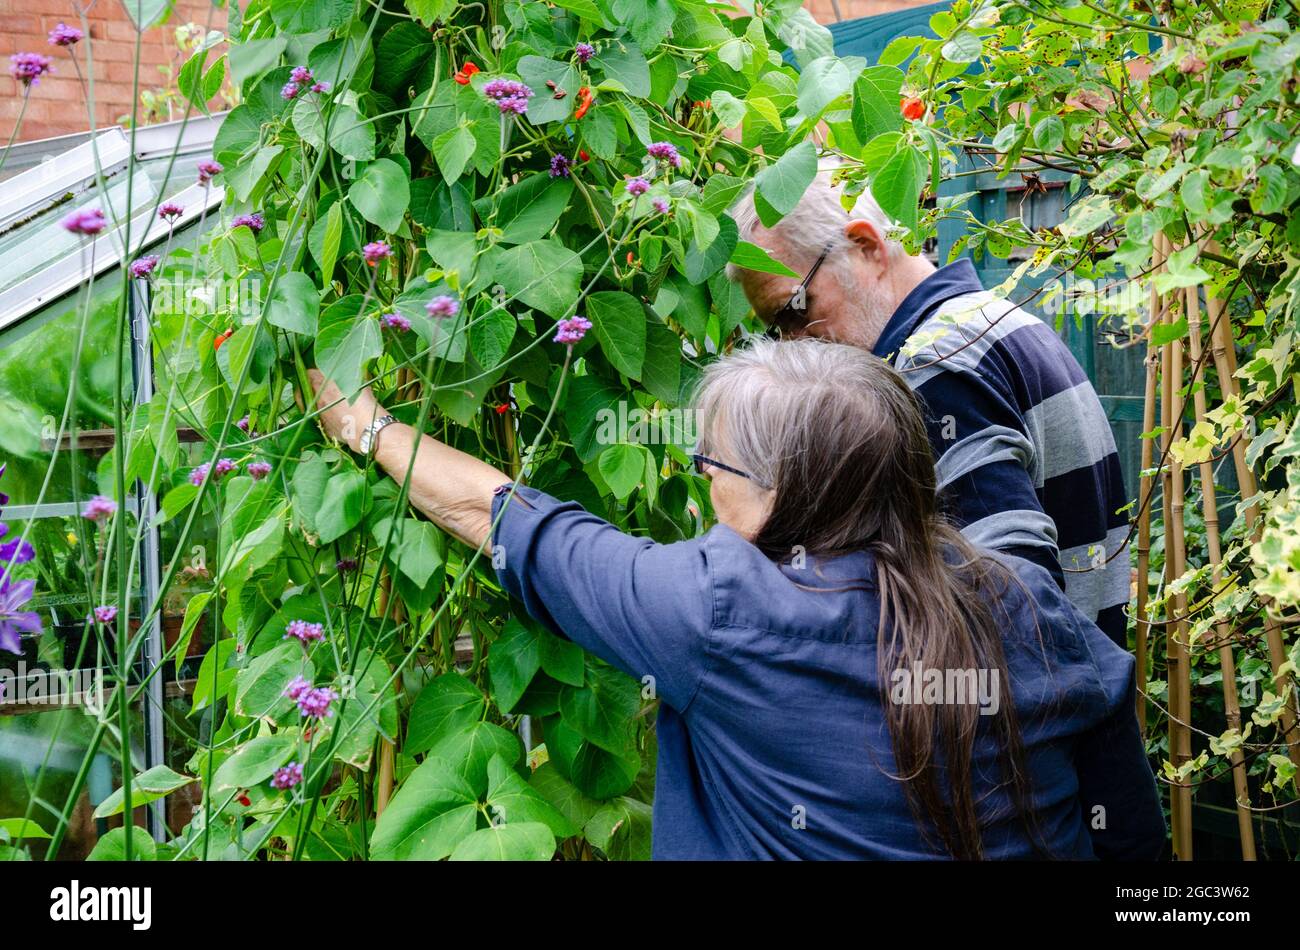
(872, 312)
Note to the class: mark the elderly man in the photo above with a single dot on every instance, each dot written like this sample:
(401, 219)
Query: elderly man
(1025, 456)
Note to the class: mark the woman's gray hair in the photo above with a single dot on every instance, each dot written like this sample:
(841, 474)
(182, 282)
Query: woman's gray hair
(816, 223)
(826, 427)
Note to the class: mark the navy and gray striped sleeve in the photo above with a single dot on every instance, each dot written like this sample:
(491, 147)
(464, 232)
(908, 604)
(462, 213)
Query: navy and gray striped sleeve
(985, 459)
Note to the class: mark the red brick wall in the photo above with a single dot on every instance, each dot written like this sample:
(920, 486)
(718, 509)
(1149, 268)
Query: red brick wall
(58, 105)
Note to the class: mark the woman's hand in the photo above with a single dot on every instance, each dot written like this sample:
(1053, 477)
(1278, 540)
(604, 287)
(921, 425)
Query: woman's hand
(343, 420)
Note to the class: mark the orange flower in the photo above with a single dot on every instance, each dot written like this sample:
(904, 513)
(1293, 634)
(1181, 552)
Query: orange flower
(912, 108)
(502, 409)
(584, 102)
(463, 74)
(222, 338)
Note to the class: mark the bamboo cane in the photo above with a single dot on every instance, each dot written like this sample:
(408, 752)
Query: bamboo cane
(1142, 623)
(1222, 349)
(1227, 663)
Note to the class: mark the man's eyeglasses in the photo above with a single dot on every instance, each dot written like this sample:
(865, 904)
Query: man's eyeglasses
(791, 315)
(701, 461)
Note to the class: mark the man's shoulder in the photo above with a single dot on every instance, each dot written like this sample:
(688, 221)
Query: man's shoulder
(965, 332)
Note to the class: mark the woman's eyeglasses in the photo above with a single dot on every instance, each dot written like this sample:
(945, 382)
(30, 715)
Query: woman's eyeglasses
(701, 461)
(791, 315)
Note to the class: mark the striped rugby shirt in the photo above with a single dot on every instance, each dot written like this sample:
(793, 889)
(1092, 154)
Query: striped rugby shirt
(1026, 460)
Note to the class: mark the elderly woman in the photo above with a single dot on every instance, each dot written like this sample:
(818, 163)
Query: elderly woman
(841, 674)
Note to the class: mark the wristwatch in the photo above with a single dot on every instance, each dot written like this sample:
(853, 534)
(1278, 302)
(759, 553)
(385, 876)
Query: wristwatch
(369, 432)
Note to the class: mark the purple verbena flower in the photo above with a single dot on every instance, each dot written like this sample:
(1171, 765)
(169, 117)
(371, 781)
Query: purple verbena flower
(85, 221)
(254, 222)
(64, 35)
(376, 251)
(584, 52)
(345, 565)
(661, 205)
(637, 186)
(143, 266)
(394, 321)
(320, 87)
(560, 165)
(287, 776)
(297, 686)
(99, 508)
(572, 330)
(208, 169)
(442, 306)
(315, 701)
(509, 95)
(15, 551)
(242, 425)
(301, 75)
(259, 470)
(304, 632)
(289, 91)
(14, 595)
(28, 68)
(106, 614)
(170, 210)
(224, 467)
(664, 152)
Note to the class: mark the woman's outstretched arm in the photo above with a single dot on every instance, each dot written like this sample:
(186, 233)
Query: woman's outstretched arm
(452, 488)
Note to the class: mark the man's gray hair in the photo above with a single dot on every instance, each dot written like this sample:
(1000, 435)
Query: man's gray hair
(815, 224)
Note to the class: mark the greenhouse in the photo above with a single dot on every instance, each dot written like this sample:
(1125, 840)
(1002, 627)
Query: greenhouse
(594, 431)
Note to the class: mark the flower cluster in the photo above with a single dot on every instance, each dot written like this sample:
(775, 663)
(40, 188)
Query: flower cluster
(208, 169)
(313, 701)
(170, 210)
(28, 68)
(14, 595)
(464, 73)
(287, 776)
(106, 614)
(143, 266)
(572, 330)
(661, 205)
(509, 95)
(376, 251)
(254, 222)
(560, 165)
(584, 52)
(88, 221)
(345, 565)
(637, 187)
(442, 306)
(259, 470)
(224, 467)
(99, 508)
(243, 424)
(304, 632)
(64, 35)
(300, 79)
(394, 321)
(664, 152)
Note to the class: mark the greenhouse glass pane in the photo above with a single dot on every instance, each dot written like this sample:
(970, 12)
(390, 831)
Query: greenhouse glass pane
(36, 375)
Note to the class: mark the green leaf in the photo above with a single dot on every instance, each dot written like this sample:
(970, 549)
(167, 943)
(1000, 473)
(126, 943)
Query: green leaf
(308, 16)
(529, 841)
(625, 64)
(490, 337)
(433, 811)
(824, 80)
(1086, 216)
(783, 183)
(622, 466)
(343, 502)
(752, 257)
(260, 686)
(112, 846)
(294, 304)
(595, 772)
(342, 349)
(453, 150)
(470, 750)
(602, 711)
(325, 238)
(511, 800)
(448, 704)
(1049, 133)
(416, 547)
(661, 373)
(146, 787)
(897, 186)
(1269, 195)
(349, 134)
(963, 47)
(588, 397)
(147, 13)
(18, 828)
(621, 829)
(543, 107)
(876, 95)
(619, 321)
(513, 660)
(543, 274)
(700, 265)
(563, 795)
(527, 211)
(255, 761)
(382, 193)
